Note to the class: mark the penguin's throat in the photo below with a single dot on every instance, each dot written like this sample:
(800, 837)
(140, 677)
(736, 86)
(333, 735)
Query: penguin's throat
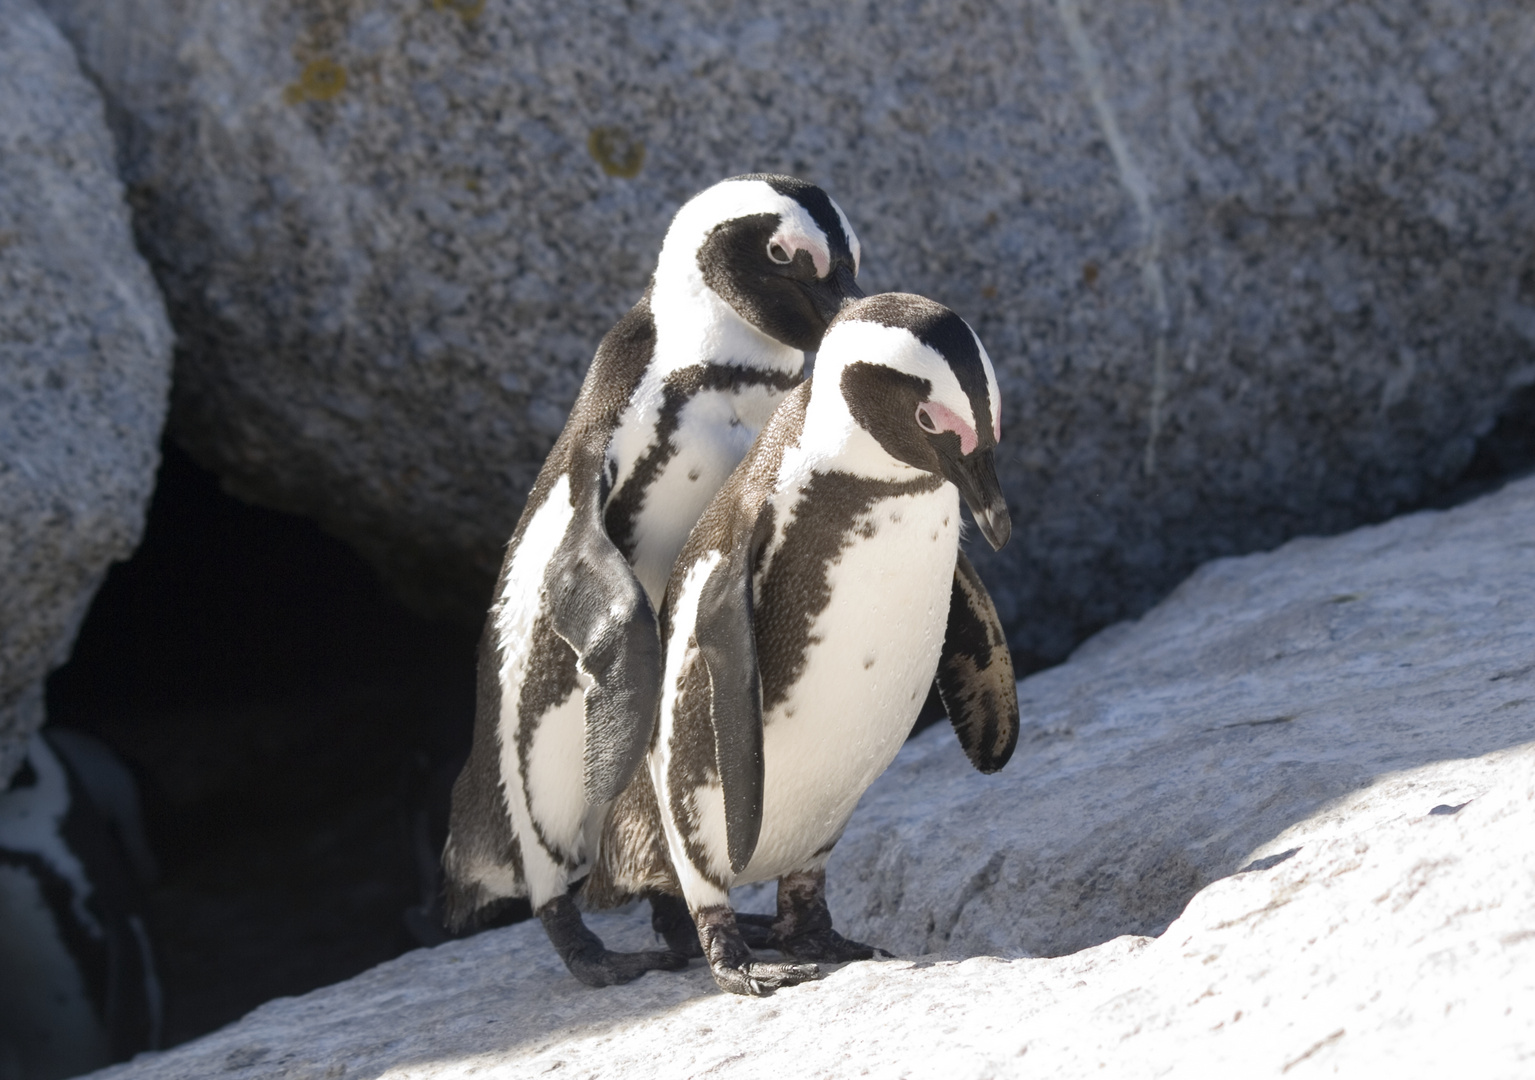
(694, 325)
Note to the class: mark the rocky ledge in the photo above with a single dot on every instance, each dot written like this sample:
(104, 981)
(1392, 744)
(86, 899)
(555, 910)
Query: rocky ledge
(1279, 825)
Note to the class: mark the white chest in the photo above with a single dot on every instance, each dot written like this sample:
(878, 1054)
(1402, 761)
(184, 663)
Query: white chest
(873, 654)
(714, 430)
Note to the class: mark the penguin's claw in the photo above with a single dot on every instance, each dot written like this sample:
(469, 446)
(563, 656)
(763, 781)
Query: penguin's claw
(773, 976)
(731, 963)
(757, 978)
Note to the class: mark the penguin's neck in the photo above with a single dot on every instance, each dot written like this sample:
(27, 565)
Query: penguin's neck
(833, 441)
(694, 325)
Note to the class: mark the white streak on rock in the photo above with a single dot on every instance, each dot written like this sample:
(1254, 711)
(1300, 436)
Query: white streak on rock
(1143, 195)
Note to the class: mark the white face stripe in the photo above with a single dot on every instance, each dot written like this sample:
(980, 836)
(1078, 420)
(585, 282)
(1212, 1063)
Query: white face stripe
(852, 237)
(993, 393)
(894, 347)
(725, 202)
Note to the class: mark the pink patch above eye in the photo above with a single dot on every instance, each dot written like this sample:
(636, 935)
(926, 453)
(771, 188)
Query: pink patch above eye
(794, 241)
(942, 418)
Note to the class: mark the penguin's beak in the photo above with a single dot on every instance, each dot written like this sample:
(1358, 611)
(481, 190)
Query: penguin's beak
(975, 475)
(833, 292)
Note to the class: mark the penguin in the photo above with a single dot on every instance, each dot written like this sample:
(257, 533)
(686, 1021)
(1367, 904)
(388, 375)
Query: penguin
(750, 274)
(816, 600)
(80, 988)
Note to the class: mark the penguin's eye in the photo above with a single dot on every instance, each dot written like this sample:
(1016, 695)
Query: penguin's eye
(777, 253)
(925, 420)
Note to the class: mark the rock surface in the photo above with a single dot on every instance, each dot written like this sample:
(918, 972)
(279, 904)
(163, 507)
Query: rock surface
(85, 357)
(1311, 772)
(1265, 693)
(1235, 294)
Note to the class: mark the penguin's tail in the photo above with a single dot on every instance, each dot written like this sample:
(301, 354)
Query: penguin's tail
(460, 905)
(477, 893)
(632, 859)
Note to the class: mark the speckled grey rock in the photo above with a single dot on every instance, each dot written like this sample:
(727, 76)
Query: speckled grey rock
(1247, 270)
(85, 358)
(1318, 765)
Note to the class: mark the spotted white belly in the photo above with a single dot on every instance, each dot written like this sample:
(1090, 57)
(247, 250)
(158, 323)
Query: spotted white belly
(875, 652)
(711, 440)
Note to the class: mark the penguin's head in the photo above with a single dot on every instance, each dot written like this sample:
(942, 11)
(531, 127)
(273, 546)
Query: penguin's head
(776, 250)
(916, 378)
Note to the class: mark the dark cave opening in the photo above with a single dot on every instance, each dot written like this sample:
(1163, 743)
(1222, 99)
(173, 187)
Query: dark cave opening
(294, 730)
(1505, 453)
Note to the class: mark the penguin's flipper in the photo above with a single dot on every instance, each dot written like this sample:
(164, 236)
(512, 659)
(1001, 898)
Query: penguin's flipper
(975, 674)
(728, 644)
(600, 610)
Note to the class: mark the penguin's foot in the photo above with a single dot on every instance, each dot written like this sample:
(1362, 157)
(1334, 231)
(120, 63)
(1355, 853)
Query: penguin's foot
(757, 930)
(670, 918)
(829, 947)
(803, 928)
(588, 959)
(821, 943)
(731, 962)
